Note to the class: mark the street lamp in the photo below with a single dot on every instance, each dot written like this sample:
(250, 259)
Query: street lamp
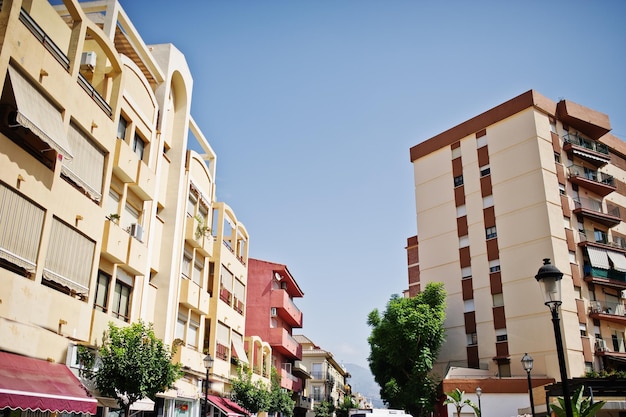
(527, 362)
(479, 391)
(208, 364)
(549, 278)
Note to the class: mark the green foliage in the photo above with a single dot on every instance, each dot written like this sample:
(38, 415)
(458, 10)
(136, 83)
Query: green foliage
(404, 345)
(132, 363)
(253, 396)
(324, 409)
(344, 408)
(604, 374)
(280, 399)
(580, 407)
(456, 398)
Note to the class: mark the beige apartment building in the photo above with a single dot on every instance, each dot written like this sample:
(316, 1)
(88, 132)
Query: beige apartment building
(328, 381)
(526, 180)
(106, 214)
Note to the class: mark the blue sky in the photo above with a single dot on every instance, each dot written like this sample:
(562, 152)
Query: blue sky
(312, 107)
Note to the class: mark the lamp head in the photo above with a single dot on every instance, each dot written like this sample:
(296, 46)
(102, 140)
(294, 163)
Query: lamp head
(527, 362)
(208, 362)
(549, 278)
(479, 391)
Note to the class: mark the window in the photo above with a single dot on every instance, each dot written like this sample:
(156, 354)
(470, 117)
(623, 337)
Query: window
(458, 180)
(120, 307)
(317, 393)
(481, 141)
(456, 152)
(583, 329)
(21, 223)
(85, 170)
(461, 211)
(501, 335)
(567, 222)
(572, 257)
(192, 200)
(557, 157)
(68, 260)
(113, 202)
(561, 189)
(485, 170)
(198, 267)
(186, 264)
(193, 331)
(122, 125)
(494, 266)
(468, 306)
(464, 241)
(552, 125)
(498, 299)
(181, 324)
(490, 232)
(138, 146)
(102, 292)
(472, 339)
(466, 272)
(488, 201)
(504, 369)
(316, 371)
(600, 236)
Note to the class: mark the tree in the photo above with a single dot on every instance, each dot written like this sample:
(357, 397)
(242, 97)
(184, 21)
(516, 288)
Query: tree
(580, 407)
(344, 408)
(253, 396)
(324, 409)
(456, 397)
(404, 345)
(280, 399)
(132, 364)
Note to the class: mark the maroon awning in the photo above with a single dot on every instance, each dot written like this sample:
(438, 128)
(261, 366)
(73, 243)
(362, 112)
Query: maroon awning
(38, 385)
(228, 407)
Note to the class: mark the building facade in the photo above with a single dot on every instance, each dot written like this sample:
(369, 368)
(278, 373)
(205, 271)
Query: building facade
(328, 380)
(495, 195)
(107, 199)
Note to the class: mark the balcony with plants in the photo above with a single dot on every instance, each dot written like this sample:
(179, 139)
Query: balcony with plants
(614, 312)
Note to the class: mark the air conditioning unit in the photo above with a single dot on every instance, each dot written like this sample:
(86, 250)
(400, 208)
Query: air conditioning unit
(136, 231)
(601, 346)
(88, 61)
(273, 312)
(623, 294)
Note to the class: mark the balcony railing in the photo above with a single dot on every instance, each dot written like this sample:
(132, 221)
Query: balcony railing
(592, 175)
(48, 43)
(586, 143)
(608, 307)
(594, 210)
(598, 236)
(613, 344)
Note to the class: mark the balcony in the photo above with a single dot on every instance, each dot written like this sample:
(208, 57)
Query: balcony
(601, 239)
(285, 308)
(125, 162)
(608, 278)
(593, 210)
(114, 242)
(145, 186)
(189, 358)
(610, 346)
(304, 402)
(614, 312)
(596, 181)
(594, 152)
(196, 235)
(193, 296)
(282, 342)
(137, 258)
(290, 382)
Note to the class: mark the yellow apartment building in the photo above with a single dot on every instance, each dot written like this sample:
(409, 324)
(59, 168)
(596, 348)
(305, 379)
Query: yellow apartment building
(106, 214)
(526, 180)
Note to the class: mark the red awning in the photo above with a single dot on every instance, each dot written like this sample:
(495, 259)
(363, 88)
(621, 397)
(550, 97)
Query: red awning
(229, 407)
(38, 385)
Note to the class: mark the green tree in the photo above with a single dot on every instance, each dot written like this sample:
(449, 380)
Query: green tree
(324, 409)
(280, 399)
(132, 364)
(404, 345)
(253, 396)
(456, 397)
(580, 407)
(344, 408)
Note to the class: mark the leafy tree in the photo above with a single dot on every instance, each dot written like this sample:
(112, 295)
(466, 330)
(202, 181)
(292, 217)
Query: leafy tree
(580, 407)
(253, 396)
(456, 397)
(280, 399)
(324, 409)
(404, 344)
(132, 364)
(344, 408)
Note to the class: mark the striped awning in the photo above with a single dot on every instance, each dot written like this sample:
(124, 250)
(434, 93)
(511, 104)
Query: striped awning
(598, 257)
(618, 259)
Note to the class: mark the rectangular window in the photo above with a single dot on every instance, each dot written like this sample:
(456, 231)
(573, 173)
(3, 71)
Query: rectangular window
(557, 157)
(192, 201)
(456, 152)
(464, 241)
(192, 333)
(466, 272)
(186, 264)
(102, 292)
(120, 307)
(488, 201)
(494, 266)
(69, 258)
(481, 141)
(501, 335)
(600, 236)
(562, 189)
(491, 232)
(198, 267)
(458, 180)
(583, 329)
(139, 146)
(181, 323)
(498, 299)
(21, 223)
(485, 170)
(461, 211)
(472, 339)
(86, 169)
(122, 125)
(468, 306)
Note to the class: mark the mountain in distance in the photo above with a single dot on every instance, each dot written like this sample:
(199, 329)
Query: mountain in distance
(362, 382)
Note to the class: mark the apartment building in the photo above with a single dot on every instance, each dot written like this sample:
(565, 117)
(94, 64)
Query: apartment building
(271, 316)
(106, 213)
(526, 180)
(328, 380)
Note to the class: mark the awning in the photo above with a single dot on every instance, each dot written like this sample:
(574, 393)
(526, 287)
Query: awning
(239, 351)
(227, 406)
(37, 114)
(38, 385)
(598, 258)
(619, 260)
(145, 404)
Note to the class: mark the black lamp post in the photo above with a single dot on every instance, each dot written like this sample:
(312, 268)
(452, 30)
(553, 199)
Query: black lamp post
(479, 392)
(527, 362)
(549, 278)
(208, 364)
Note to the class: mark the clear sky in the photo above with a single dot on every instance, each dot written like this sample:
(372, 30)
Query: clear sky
(312, 107)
